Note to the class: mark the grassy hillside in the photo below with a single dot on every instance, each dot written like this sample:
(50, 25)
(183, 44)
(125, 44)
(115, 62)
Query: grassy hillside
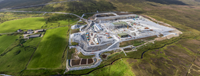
(118, 68)
(19, 3)
(6, 41)
(176, 59)
(15, 60)
(178, 56)
(50, 51)
(185, 12)
(7, 16)
(24, 24)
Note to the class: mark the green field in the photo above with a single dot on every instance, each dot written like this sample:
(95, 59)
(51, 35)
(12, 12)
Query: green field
(50, 51)
(15, 60)
(24, 24)
(6, 41)
(32, 42)
(118, 68)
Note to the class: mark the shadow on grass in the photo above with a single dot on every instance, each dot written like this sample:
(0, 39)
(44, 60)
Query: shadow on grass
(51, 48)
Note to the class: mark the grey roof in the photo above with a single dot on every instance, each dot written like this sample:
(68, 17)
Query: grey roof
(30, 30)
(40, 30)
(36, 35)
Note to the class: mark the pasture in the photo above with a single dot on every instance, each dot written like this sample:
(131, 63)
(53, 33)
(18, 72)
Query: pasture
(50, 51)
(16, 59)
(24, 24)
(6, 41)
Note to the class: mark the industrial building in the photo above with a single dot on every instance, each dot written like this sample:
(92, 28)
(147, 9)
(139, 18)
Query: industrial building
(106, 32)
(108, 28)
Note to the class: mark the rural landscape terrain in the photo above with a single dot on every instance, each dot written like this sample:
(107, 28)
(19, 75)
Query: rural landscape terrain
(21, 54)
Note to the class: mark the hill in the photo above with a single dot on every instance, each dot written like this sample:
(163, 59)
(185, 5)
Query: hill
(181, 11)
(19, 3)
(177, 56)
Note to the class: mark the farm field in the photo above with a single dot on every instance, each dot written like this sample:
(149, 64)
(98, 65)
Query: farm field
(16, 59)
(50, 51)
(6, 41)
(24, 24)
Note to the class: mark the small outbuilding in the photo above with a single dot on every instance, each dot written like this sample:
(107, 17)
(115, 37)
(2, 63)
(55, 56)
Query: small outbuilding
(30, 31)
(34, 36)
(19, 30)
(41, 30)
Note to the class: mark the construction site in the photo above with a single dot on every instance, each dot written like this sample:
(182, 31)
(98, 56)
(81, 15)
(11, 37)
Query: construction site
(106, 31)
